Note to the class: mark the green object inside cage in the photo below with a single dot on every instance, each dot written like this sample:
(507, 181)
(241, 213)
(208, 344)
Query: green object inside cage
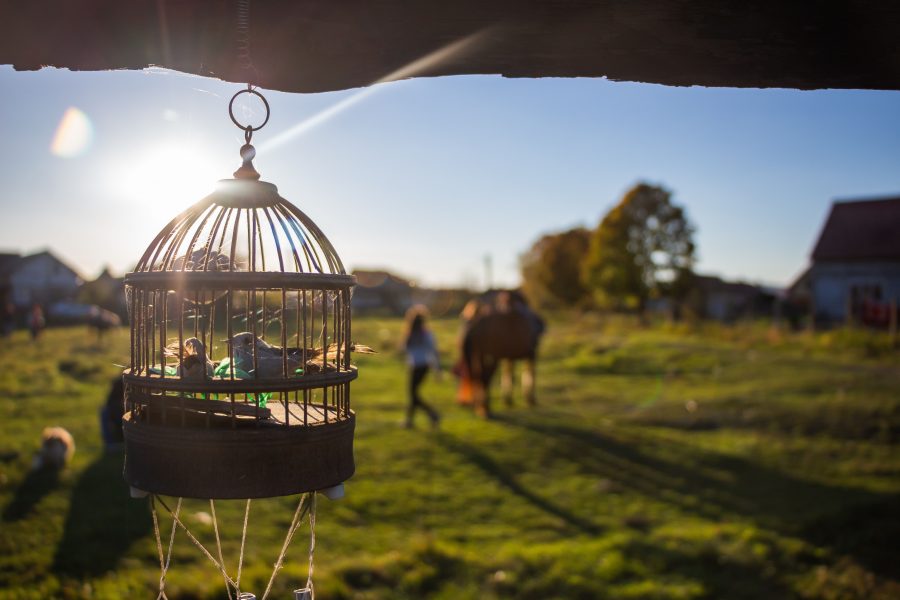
(223, 370)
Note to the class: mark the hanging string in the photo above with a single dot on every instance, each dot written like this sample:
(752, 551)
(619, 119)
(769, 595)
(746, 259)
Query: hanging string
(195, 541)
(302, 509)
(312, 545)
(163, 563)
(212, 508)
(237, 585)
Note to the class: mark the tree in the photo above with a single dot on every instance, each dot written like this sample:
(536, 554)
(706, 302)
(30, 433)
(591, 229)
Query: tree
(642, 249)
(551, 269)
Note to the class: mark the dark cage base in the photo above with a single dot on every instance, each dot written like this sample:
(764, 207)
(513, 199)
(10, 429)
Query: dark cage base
(231, 463)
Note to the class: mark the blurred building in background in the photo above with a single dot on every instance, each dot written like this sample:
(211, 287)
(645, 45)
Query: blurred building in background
(729, 301)
(45, 279)
(40, 278)
(381, 292)
(106, 292)
(855, 269)
(443, 302)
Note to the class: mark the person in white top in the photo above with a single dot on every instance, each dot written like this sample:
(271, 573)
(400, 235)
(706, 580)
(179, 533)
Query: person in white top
(422, 356)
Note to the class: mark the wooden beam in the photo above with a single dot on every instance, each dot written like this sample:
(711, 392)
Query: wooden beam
(317, 45)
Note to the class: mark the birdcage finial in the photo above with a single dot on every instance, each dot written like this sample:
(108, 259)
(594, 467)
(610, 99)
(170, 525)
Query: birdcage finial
(247, 170)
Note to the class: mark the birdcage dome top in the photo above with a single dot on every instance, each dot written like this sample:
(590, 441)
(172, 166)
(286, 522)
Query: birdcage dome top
(242, 231)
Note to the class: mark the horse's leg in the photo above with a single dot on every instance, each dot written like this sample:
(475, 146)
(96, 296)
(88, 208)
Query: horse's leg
(507, 372)
(488, 367)
(476, 374)
(480, 399)
(528, 381)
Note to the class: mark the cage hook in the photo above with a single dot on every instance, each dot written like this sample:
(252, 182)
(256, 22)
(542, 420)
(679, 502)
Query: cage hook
(248, 128)
(248, 152)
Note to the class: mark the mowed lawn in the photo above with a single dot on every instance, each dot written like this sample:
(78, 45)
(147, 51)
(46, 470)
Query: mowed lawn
(661, 462)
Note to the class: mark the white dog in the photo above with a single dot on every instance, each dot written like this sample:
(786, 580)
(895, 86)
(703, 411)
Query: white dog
(57, 449)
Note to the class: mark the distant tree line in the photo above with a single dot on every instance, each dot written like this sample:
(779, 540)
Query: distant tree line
(642, 250)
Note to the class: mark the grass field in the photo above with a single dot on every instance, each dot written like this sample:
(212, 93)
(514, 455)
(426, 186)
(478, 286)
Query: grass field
(661, 462)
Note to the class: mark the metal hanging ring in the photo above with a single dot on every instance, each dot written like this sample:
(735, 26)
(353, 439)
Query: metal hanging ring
(248, 129)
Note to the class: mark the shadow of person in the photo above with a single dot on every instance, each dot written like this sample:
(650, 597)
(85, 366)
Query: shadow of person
(37, 484)
(103, 521)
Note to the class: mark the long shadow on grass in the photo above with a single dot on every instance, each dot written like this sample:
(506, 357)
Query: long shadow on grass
(721, 579)
(36, 485)
(103, 521)
(716, 486)
(494, 469)
(736, 412)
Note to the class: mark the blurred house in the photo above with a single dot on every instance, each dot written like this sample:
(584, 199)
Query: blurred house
(855, 270)
(443, 302)
(106, 292)
(38, 278)
(381, 292)
(728, 301)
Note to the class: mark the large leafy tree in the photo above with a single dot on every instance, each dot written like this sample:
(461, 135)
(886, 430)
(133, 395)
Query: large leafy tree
(551, 269)
(642, 249)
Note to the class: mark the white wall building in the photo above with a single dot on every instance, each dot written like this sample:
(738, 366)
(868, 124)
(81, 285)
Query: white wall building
(41, 278)
(855, 266)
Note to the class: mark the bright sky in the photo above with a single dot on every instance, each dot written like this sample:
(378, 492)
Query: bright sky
(427, 177)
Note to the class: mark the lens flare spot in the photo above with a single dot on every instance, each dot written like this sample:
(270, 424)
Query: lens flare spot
(73, 134)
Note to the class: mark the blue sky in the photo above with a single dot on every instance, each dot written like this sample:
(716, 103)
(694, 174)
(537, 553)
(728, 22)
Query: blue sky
(428, 176)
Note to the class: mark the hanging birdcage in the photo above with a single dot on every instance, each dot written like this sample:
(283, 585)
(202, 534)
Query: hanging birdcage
(239, 385)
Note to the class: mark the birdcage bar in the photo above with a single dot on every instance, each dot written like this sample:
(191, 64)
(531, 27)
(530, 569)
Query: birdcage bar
(151, 341)
(190, 250)
(234, 239)
(241, 386)
(160, 309)
(275, 238)
(211, 281)
(147, 326)
(130, 302)
(297, 262)
(251, 321)
(325, 331)
(153, 401)
(220, 215)
(179, 235)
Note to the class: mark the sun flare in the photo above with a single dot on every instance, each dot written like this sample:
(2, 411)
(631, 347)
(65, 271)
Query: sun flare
(170, 176)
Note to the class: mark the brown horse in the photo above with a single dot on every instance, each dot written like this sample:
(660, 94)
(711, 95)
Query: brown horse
(499, 328)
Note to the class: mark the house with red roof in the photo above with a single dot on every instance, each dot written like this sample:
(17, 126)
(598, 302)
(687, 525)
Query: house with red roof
(855, 267)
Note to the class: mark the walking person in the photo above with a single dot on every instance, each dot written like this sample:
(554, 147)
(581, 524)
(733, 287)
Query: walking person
(36, 321)
(422, 356)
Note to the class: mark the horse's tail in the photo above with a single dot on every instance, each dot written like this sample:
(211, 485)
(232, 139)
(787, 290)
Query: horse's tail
(464, 391)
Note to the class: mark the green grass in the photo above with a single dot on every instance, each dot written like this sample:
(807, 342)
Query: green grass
(661, 462)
